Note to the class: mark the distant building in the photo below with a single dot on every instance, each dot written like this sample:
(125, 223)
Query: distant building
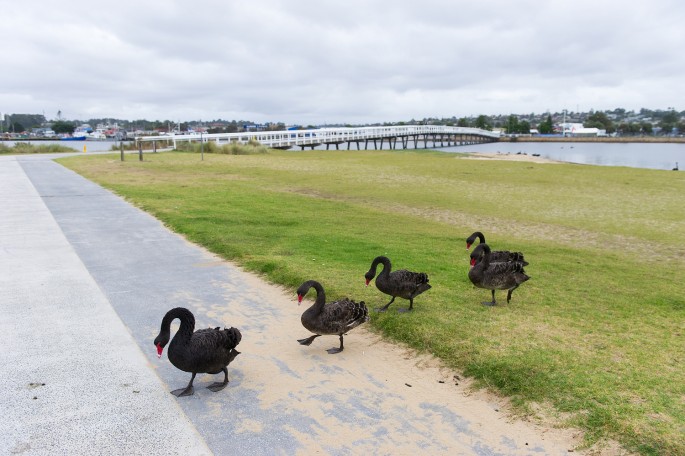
(569, 128)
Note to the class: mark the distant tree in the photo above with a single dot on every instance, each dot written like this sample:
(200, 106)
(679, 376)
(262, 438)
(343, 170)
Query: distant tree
(16, 127)
(27, 121)
(512, 124)
(629, 128)
(681, 127)
(646, 128)
(546, 127)
(601, 121)
(669, 121)
(524, 127)
(276, 126)
(463, 122)
(62, 126)
(483, 122)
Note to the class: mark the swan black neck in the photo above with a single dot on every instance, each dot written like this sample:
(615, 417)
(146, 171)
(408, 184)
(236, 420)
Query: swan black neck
(385, 261)
(485, 261)
(187, 322)
(471, 239)
(320, 294)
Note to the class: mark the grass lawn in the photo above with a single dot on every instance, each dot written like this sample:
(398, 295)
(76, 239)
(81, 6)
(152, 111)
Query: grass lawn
(596, 337)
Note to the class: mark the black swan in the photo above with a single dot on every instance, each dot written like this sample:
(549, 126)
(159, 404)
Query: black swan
(404, 284)
(495, 276)
(676, 167)
(203, 351)
(337, 317)
(498, 256)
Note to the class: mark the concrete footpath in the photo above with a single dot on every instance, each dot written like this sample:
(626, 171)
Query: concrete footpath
(85, 279)
(74, 380)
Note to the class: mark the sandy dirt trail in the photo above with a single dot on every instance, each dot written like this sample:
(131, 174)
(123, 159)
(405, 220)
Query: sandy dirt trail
(374, 397)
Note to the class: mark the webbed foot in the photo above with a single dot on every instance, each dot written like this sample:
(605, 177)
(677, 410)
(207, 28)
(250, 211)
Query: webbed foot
(188, 391)
(489, 303)
(217, 386)
(308, 340)
(333, 351)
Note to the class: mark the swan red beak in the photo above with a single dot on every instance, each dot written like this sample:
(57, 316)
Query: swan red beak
(468, 245)
(367, 282)
(299, 299)
(159, 350)
(473, 262)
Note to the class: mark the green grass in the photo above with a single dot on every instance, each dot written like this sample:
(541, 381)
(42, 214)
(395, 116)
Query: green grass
(597, 335)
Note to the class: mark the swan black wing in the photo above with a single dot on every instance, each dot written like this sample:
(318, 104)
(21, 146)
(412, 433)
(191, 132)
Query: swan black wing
(340, 316)
(500, 256)
(408, 284)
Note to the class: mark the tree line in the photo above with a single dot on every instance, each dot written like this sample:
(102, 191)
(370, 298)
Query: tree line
(613, 121)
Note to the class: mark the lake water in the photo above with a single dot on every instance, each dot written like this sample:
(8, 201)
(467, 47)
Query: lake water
(635, 155)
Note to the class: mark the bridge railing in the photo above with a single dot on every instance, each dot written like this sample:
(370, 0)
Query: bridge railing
(289, 138)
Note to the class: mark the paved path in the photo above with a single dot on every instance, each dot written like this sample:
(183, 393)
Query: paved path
(84, 281)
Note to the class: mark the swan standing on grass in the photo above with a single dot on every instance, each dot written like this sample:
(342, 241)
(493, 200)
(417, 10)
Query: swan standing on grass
(404, 284)
(203, 351)
(337, 317)
(495, 276)
(497, 255)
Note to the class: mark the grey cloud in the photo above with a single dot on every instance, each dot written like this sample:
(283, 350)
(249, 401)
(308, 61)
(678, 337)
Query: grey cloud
(357, 61)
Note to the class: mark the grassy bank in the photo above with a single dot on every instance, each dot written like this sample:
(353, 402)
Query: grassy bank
(29, 148)
(595, 338)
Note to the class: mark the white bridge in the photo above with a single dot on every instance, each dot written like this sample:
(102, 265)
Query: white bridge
(416, 135)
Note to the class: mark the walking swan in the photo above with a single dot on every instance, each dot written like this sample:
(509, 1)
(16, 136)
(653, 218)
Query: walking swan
(404, 284)
(337, 317)
(495, 276)
(203, 351)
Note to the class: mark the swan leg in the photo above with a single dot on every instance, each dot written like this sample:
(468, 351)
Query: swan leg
(493, 302)
(333, 351)
(411, 306)
(510, 292)
(187, 391)
(385, 307)
(218, 386)
(308, 340)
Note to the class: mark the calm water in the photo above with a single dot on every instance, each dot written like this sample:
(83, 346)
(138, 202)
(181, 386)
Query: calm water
(635, 155)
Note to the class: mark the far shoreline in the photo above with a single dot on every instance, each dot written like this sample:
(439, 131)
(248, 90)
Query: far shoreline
(595, 139)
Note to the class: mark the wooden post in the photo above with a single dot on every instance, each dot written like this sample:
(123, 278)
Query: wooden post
(121, 147)
(140, 150)
(154, 147)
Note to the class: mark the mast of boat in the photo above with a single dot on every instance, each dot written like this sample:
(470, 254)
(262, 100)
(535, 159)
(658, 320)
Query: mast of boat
(563, 128)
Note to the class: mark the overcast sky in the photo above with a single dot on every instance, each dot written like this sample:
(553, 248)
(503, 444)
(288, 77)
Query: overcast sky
(352, 61)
